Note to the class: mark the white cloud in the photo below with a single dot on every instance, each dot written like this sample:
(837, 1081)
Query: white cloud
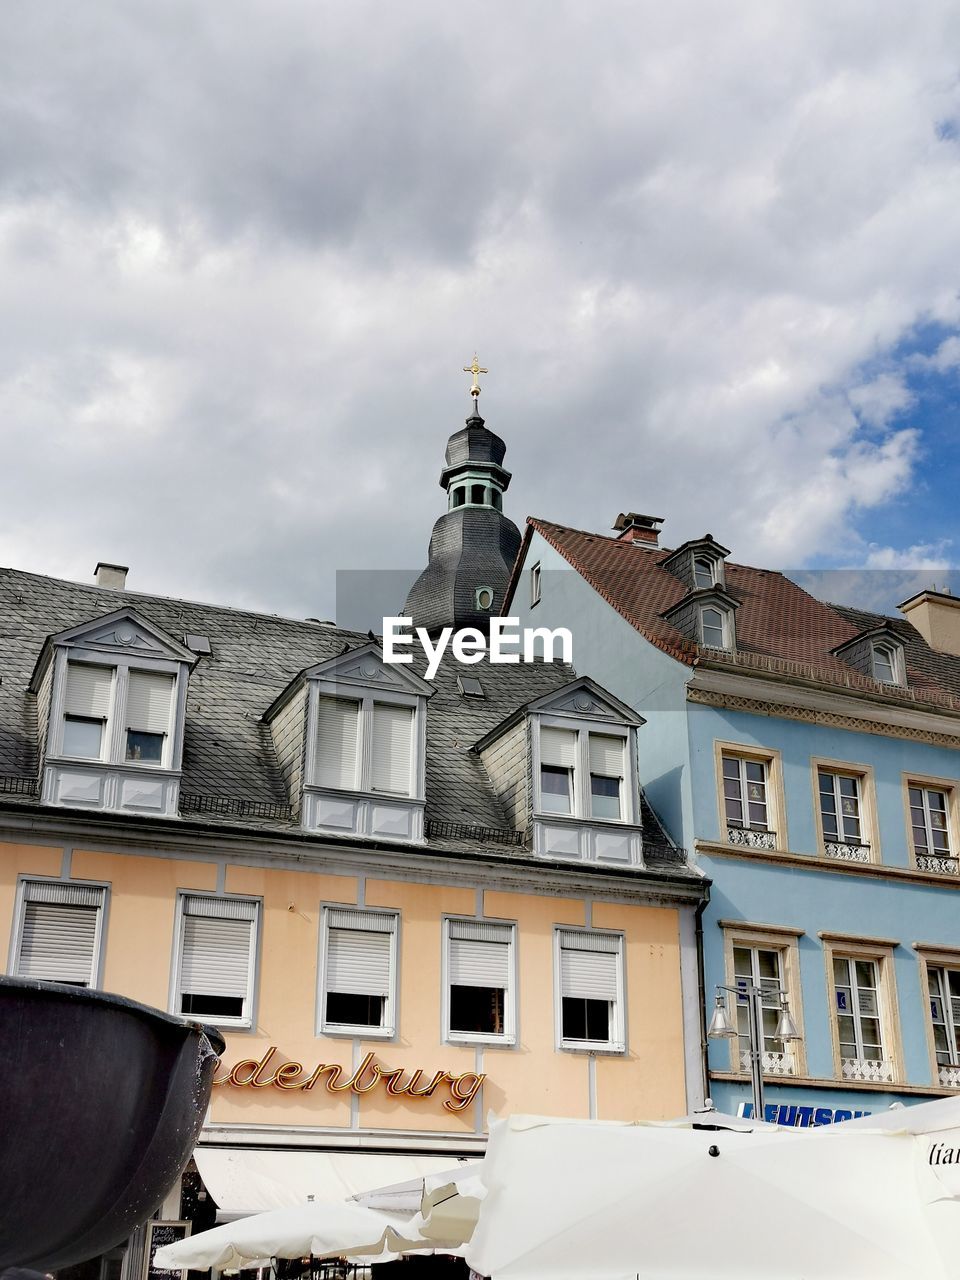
(239, 296)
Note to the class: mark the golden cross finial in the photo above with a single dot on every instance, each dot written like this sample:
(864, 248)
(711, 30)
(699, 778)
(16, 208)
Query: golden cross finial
(475, 369)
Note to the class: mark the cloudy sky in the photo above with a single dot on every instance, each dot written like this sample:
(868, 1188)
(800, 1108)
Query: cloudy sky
(710, 254)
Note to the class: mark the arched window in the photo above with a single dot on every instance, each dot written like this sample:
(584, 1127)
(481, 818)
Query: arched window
(703, 575)
(497, 499)
(459, 497)
(713, 628)
(478, 495)
(484, 598)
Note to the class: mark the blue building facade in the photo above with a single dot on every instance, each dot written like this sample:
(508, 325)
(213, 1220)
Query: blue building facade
(812, 762)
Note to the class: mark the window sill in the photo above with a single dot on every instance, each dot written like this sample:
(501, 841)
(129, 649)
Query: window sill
(593, 1047)
(467, 1038)
(340, 1031)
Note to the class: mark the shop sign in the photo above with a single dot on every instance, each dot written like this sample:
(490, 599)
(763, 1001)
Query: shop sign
(800, 1117)
(251, 1073)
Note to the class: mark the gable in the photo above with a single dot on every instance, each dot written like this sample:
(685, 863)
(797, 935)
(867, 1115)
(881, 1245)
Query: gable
(120, 632)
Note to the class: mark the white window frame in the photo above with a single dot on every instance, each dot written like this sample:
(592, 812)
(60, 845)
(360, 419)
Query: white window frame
(19, 919)
(536, 585)
(937, 959)
(869, 831)
(880, 952)
(114, 735)
(248, 1019)
(367, 698)
(391, 1021)
(509, 1034)
(725, 626)
(785, 941)
(940, 862)
(700, 559)
(617, 1044)
(894, 656)
(581, 796)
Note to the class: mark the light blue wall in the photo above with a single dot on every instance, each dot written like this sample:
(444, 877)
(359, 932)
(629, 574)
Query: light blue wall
(677, 769)
(608, 649)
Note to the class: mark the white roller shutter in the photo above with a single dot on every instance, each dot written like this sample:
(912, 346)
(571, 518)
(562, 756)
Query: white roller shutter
(558, 747)
(589, 966)
(217, 946)
(58, 938)
(606, 755)
(337, 722)
(392, 742)
(88, 691)
(479, 954)
(359, 948)
(149, 698)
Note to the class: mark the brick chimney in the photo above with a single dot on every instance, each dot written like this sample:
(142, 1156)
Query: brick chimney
(936, 615)
(112, 576)
(631, 526)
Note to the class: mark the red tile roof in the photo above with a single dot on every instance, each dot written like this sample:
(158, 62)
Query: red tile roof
(780, 627)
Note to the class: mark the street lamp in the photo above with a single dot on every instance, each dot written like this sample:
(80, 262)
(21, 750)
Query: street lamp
(723, 1028)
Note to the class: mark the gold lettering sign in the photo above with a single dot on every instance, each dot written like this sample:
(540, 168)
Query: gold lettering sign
(260, 1073)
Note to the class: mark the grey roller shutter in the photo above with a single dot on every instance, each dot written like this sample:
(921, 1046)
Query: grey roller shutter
(558, 747)
(392, 743)
(217, 946)
(479, 954)
(88, 691)
(589, 966)
(58, 938)
(359, 949)
(149, 699)
(337, 723)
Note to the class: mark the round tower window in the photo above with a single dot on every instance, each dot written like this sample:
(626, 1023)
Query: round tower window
(484, 598)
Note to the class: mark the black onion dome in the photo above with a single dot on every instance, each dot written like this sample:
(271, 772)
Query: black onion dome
(473, 545)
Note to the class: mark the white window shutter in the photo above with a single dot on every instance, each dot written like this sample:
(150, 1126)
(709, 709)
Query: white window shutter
(558, 747)
(606, 755)
(88, 691)
(217, 946)
(149, 700)
(337, 721)
(479, 954)
(392, 743)
(58, 937)
(589, 966)
(359, 946)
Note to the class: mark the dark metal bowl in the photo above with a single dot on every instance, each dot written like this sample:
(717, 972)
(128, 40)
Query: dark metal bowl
(102, 1103)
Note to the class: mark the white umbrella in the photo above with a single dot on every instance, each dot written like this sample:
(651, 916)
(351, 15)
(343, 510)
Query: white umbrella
(568, 1199)
(318, 1229)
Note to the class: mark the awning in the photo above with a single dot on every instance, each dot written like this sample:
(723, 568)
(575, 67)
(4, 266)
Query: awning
(244, 1180)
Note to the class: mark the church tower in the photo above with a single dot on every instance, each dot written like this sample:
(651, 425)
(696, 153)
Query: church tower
(473, 545)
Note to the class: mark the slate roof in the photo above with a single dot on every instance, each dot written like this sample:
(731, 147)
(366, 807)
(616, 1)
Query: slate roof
(231, 776)
(781, 629)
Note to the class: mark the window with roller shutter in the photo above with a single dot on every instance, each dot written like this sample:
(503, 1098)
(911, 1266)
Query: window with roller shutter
(93, 697)
(364, 745)
(589, 967)
(59, 934)
(216, 958)
(358, 972)
(479, 963)
(583, 774)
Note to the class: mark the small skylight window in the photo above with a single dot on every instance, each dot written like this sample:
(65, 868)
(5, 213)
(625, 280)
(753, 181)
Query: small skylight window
(470, 687)
(197, 644)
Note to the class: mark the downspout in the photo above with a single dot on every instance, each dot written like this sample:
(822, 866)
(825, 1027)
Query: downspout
(702, 986)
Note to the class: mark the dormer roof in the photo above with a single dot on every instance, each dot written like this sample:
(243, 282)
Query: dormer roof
(581, 697)
(123, 631)
(362, 665)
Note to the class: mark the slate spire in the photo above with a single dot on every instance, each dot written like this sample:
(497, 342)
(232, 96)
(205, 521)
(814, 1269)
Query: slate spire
(473, 545)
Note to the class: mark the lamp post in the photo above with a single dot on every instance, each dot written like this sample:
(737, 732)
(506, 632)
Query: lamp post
(722, 1028)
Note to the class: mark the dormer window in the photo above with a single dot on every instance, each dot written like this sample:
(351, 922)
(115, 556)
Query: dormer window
(887, 662)
(110, 697)
(704, 574)
(876, 654)
(714, 627)
(581, 784)
(364, 767)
